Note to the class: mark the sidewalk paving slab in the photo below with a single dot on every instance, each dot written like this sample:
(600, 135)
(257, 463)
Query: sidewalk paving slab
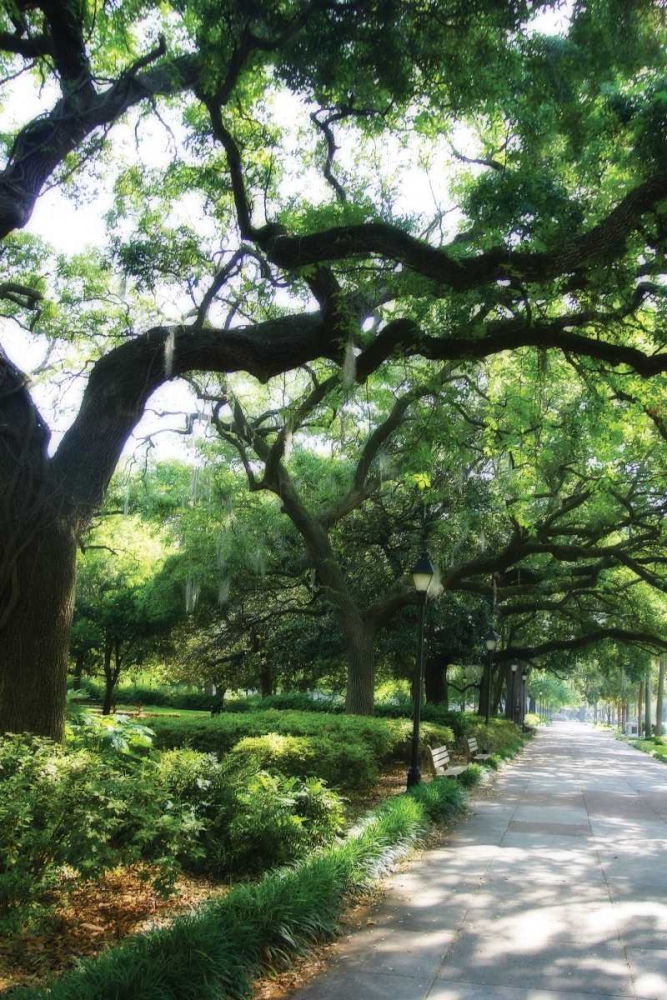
(553, 888)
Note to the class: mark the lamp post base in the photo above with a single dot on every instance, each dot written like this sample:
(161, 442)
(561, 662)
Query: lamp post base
(414, 777)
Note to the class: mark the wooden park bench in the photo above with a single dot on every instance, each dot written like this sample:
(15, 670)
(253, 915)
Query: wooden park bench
(473, 749)
(441, 766)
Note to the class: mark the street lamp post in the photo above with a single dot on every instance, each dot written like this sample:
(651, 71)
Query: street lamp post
(491, 642)
(524, 678)
(422, 575)
(513, 668)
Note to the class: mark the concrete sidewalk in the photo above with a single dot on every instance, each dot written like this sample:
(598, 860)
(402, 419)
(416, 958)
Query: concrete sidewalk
(555, 888)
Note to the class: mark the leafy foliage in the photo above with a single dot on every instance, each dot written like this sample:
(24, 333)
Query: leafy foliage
(384, 738)
(70, 814)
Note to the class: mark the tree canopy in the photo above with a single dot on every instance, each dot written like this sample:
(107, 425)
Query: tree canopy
(282, 233)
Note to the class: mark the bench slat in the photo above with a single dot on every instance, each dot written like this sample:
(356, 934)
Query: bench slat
(441, 765)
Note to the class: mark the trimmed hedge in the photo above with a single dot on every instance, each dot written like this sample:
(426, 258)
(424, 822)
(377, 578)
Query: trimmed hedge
(216, 953)
(386, 739)
(343, 765)
(137, 694)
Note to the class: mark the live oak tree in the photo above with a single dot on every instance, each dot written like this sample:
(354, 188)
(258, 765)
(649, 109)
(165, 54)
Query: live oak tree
(363, 582)
(558, 243)
(567, 527)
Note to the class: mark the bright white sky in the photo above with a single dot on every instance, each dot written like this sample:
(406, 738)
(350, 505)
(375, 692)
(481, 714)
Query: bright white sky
(75, 226)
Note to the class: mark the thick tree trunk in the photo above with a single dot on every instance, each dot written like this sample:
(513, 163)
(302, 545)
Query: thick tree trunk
(640, 708)
(435, 677)
(266, 679)
(359, 646)
(659, 708)
(648, 730)
(34, 644)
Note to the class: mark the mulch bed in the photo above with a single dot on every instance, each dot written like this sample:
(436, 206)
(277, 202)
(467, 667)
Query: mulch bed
(93, 916)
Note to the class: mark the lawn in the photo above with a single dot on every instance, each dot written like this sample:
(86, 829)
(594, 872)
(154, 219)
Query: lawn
(656, 750)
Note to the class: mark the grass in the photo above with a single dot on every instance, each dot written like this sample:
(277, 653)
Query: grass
(259, 928)
(656, 750)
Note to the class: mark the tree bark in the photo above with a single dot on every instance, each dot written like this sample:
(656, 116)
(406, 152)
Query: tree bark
(497, 684)
(659, 708)
(648, 730)
(435, 678)
(640, 708)
(108, 681)
(359, 647)
(266, 679)
(34, 652)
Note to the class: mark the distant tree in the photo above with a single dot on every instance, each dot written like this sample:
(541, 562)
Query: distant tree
(119, 619)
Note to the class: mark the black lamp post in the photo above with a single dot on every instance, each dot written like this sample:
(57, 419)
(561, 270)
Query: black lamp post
(512, 713)
(491, 642)
(422, 575)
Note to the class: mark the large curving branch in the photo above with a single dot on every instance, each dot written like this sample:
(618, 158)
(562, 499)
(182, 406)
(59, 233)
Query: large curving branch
(506, 335)
(447, 268)
(122, 381)
(639, 637)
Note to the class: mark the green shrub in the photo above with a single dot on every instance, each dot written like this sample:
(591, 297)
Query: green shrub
(249, 820)
(275, 821)
(386, 739)
(660, 741)
(471, 776)
(108, 735)
(78, 813)
(531, 719)
(441, 799)
(341, 764)
(500, 734)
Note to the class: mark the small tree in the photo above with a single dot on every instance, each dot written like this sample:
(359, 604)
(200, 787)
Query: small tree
(119, 617)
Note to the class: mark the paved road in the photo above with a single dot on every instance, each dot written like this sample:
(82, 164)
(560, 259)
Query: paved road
(555, 888)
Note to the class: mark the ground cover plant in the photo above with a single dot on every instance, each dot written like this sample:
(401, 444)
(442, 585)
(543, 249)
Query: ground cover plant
(655, 746)
(261, 927)
(108, 802)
